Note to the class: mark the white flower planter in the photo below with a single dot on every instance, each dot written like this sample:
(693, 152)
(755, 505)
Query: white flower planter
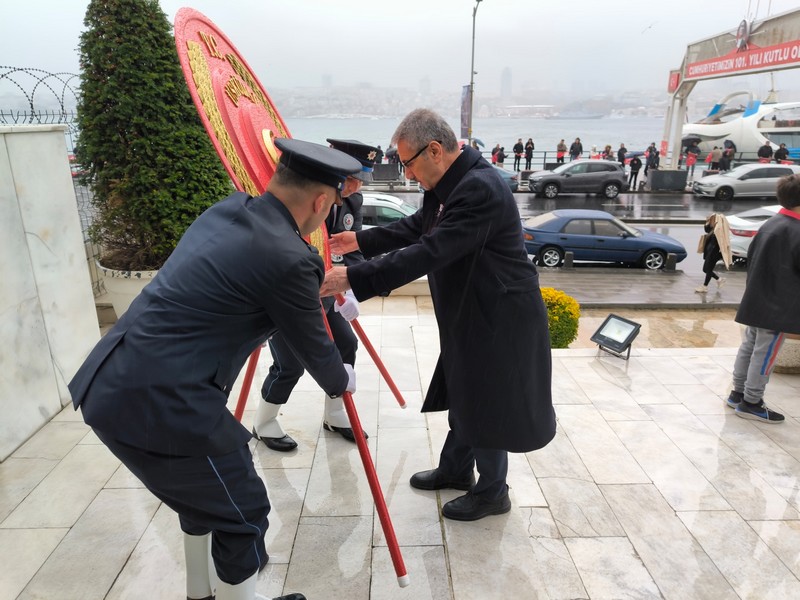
(788, 359)
(123, 286)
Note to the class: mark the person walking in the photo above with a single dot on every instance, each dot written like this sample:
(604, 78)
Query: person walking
(575, 149)
(715, 245)
(768, 309)
(287, 368)
(493, 373)
(561, 151)
(501, 157)
(652, 161)
(518, 149)
(716, 155)
(529, 148)
(781, 154)
(765, 153)
(635, 164)
(692, 153)
(155, 388)
(621, 154)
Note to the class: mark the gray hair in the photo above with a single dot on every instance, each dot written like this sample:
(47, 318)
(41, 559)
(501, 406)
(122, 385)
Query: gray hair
(422, 126)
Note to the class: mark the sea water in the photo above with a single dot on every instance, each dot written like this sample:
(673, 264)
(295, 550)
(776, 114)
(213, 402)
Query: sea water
(635, 132)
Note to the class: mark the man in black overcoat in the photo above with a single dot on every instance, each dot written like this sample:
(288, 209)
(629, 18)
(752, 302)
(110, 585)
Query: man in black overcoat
(494, 370)
(155, 388)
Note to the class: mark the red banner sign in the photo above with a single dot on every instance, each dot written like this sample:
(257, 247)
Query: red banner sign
(752, 59)
(237, 112)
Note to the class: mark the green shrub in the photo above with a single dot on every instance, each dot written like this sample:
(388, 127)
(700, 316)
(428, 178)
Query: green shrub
(149, 162)
(563, 314)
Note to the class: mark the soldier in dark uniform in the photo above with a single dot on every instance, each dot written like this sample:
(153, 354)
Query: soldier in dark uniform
(494, 368)
(286, 369)
(155, 388)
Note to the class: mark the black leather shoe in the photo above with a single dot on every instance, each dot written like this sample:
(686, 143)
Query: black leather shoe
(345, 432)
(281, 444)
(434, 480)
(470, 507)
(291, 597)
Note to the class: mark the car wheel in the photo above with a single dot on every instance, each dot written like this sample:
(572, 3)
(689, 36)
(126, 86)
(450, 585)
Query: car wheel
(724, 194)
(550, 191)
(611, 190)
(653, 260)
(550, 256)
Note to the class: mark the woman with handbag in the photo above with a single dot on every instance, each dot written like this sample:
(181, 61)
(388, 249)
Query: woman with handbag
(715, 245)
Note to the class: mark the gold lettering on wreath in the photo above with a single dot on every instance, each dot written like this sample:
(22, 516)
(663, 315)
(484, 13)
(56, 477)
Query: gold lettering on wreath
(211, 44)
(257, 96)
(202, 81)
(234, 89)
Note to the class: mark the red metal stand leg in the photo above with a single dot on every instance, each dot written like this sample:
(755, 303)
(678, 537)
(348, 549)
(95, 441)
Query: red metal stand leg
(252, 363)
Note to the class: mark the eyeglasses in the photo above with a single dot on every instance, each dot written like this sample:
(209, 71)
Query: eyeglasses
(407, 163)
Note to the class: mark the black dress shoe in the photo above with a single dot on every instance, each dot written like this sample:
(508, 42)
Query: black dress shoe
(470, 507)
(435, 480)
(345, 432)
(291, 597)
(281, 444)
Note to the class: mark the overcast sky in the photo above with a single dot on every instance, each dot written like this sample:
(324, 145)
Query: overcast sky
(569, 44)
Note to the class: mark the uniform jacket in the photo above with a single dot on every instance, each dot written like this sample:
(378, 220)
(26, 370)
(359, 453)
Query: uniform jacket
(771, 298)
(494, 370)
(160, 378)
(347, 217)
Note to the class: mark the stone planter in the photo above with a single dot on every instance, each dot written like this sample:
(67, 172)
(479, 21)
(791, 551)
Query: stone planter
(123, 286)
(788, 359)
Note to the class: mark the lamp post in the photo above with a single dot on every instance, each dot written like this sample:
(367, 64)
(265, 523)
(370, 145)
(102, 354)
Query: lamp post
(472, 74)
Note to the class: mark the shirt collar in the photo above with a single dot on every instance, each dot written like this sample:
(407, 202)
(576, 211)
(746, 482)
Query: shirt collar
(465, 161)
(789, 213)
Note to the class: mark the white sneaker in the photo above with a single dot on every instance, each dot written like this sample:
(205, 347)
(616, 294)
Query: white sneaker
(701, 290)
(720, 282)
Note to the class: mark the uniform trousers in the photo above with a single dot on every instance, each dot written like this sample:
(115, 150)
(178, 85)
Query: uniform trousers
(221, 495)
(286, 370)
(458, 459)
(755, 361)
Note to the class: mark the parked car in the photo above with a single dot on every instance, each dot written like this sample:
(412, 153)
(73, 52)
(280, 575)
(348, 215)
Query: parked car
(510, 177)
(756, 180)
(595, 235)
(744, 227)
(382, 209)
(589, 176)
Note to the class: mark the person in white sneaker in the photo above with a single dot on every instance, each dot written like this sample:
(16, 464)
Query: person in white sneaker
(715, 245)
(769, 306)
(286, 368)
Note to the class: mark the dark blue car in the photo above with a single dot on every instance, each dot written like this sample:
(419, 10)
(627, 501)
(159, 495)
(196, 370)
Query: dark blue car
(594, 235)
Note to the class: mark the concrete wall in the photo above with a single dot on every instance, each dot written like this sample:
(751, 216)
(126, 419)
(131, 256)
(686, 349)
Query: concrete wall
(48, 322)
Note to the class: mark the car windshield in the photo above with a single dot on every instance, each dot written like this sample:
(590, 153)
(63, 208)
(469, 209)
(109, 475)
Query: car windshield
(563, 167)
(538, 220)
(628, 229)
(737, 171)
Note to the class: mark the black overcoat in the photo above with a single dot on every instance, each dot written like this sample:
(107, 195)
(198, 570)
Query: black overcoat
(160, 378)
(771, 297)
(494, 370)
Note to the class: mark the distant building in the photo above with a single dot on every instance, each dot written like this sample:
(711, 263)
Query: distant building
(505, 84)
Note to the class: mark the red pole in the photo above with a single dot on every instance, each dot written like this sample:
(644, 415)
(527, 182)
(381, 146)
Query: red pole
(377, 494)
(372, 478)
(248, 380)
(375, 357)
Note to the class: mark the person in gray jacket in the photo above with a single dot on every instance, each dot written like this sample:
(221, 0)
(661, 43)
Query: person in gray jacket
(155, 388)
(770, 306)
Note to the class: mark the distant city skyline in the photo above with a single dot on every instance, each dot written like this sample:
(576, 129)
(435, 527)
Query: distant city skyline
(591, 47)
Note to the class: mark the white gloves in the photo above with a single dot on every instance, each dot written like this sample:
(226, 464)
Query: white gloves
(351, 378)
(349, 308)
